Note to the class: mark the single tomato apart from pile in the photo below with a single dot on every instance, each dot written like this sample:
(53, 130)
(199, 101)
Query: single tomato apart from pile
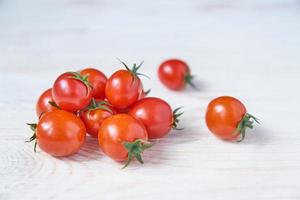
(175, 74)
(227, 118)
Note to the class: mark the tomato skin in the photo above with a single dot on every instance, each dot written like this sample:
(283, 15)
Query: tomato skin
(93, 120)
(116, 130)
(155, 114)
(42, 105)
(123, 89)
(172, 74)
(120, 111)
(60, 133)
(142, 95)
(223, 115)
(97, 79)
(71, 94)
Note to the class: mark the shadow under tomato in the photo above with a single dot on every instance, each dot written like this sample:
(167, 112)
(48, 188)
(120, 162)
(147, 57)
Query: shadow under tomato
(258, 136)
(198, 86)
(90, 151)
(156, 155)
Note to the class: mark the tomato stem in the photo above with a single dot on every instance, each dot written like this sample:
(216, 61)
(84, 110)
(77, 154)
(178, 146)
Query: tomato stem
(33, 137)
(134, 69)
(99, 105)
(135, 149)
(147, 92)
(189, 80)
(176, 120)
(83, 79)
(246, 122)
(52, 103)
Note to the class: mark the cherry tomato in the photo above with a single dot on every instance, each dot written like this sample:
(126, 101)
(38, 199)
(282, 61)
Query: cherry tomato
(122, 138)
(123, 88)
(95, 115)
(156, 115)
(59, 133)
(71, 92)
(175, 74)
(97, 80)
(227, 118)
(43, 105)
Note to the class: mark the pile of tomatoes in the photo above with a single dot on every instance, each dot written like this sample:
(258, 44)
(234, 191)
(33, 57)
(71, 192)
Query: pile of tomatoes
(117, 112)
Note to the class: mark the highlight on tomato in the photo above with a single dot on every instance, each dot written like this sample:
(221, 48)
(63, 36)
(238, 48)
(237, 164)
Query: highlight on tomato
(72, 91)
(227, 118)
(45, 103)
(124, 87)
(122, 138)
(175, 74)
(156, 115)
(94, 115)
(97, 80)
(58, 133)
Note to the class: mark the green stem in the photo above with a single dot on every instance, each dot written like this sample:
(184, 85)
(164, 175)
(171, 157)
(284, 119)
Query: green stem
(147, 92)
(189, 80)
(246, 122)
(83, 79)
(176, 120)
(135, 149)
(33, 137)
(99, 105)
(134, 70)
(52, 103)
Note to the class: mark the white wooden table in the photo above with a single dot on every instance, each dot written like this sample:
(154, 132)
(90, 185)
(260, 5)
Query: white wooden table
(249, 49)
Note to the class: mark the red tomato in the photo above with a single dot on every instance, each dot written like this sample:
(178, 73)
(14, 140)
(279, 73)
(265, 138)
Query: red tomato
(175, 74)
(227, 118)
(43, 105)
(122, 138)
(71, 92)
(95, 115)
(97, 80)
(119, 111)
(123, 88)
(156, 115)
(59, 133)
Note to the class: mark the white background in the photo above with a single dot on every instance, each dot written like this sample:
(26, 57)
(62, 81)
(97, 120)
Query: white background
(249, 49)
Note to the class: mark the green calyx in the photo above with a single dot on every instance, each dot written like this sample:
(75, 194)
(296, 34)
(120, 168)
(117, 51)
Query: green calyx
(176, 115)
(134, 70)
(188, 78)
(135, 149)
(52, 103)
(246, 122)
(147, 92)
(83, 79)
(99, 105)
(33, 137)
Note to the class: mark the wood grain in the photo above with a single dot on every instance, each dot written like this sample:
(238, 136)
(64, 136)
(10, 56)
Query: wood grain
(248, 49)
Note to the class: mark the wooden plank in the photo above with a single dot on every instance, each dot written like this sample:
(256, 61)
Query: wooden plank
(248, 49)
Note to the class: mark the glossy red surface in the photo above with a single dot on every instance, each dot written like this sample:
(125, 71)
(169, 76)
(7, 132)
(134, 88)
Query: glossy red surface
(60, 133)
(116, 130)
(155, 114)
(70, 94)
